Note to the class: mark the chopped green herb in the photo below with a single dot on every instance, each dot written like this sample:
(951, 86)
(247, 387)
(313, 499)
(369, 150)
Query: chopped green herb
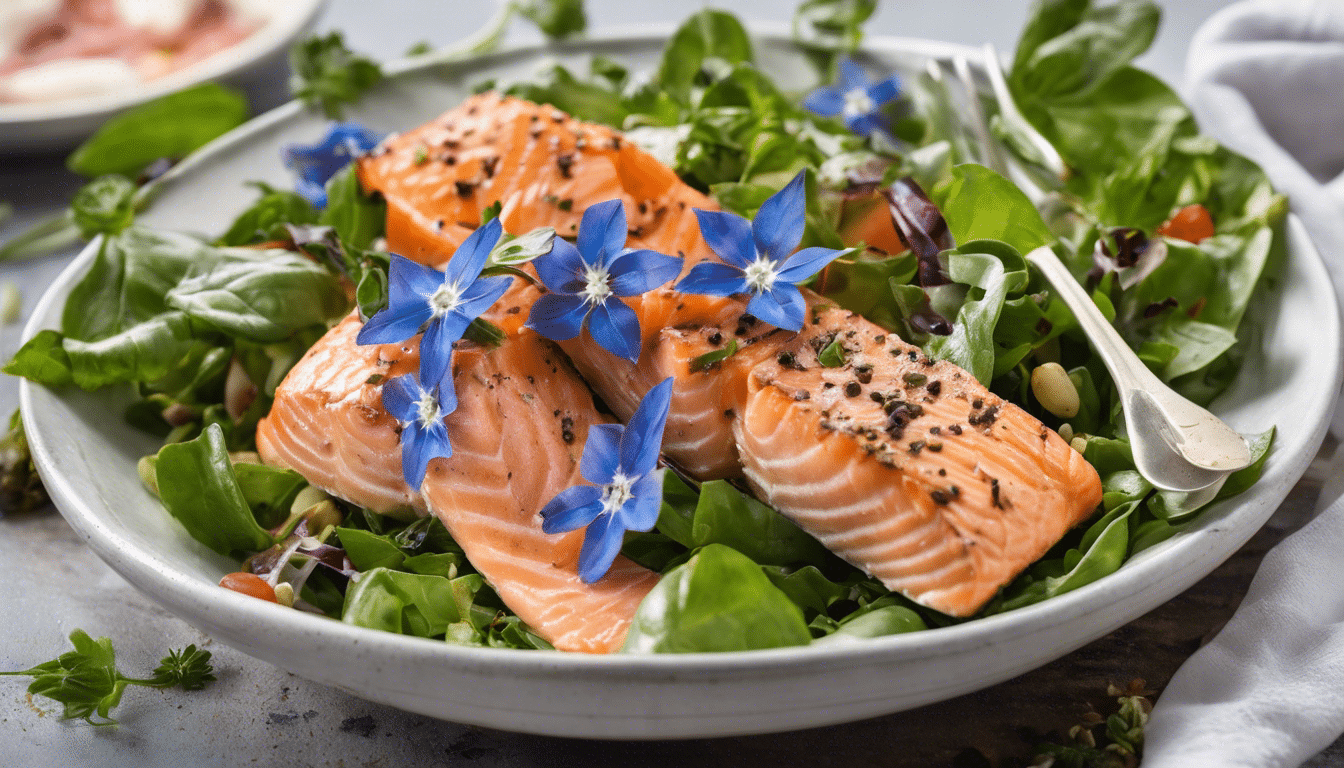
(710, 358)
(834, 355)
(87, 682)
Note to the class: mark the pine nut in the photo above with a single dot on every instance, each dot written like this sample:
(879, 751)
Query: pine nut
(1066, 432)
(284, 594)
(1054, 390)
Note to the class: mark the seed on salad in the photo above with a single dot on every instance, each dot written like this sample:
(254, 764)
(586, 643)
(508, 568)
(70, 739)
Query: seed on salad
(322, 515)
(1078, 443)
(1054, 390)
(249, 584)
(306, 498)
(284, 594)
(148, 475)
(1066, 432)
(244, 457)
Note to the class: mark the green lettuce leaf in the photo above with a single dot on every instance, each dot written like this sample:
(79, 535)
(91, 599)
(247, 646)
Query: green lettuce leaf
(719, 600)
(198, 487)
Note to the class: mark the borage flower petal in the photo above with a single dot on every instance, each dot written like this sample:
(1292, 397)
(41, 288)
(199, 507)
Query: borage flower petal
(761, 262)
(855, 99)
(585, 282)
(420, 412)
(443, 304)
(315, 164)
(778, 226)
(628, 494)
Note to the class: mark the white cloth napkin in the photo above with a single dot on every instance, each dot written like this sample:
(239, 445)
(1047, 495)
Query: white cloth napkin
(1266, 77)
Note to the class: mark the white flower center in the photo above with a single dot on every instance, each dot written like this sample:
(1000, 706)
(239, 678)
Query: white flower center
(762, 273)
(428, 409)
(858, 103)
(617, 493)
(445, 299)
(595, 285)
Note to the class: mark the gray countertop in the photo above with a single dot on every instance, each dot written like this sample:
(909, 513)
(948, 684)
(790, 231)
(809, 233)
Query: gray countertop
(50, 583)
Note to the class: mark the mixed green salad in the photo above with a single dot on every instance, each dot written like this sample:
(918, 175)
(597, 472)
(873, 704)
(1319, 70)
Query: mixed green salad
(204, 331)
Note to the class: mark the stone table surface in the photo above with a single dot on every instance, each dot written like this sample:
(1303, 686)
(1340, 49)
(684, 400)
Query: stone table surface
(256, 714)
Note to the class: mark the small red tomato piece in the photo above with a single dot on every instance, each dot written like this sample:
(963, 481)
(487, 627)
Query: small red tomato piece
(1192, 224)
(249, 584)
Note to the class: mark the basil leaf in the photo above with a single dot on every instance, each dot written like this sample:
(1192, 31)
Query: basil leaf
(198, 487)
(105, 205)
(446, 564)
(328, 75)
(128, 281)
(979, 204)
(172, 126)
(832, 25)
(719, 600)
(557, 19)
(1071, 47)
(724, 515)
(883, 620)
(42, 359)
(807, 587)
(586, 100)
(864, 285)
(368, 550)
(708, 34)
(261, 296)
(268, 490)
(143, 352)
(405, 603)
(983, 265)
(265, 219)
(358, 218)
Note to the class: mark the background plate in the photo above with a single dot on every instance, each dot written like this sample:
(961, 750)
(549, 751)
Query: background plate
(55, 124)
(88, 458)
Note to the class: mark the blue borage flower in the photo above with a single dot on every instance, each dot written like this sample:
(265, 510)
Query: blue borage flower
(420, 412)
(757, 258)
(855, 99)
(443, 303)
(583, 281)
(627, 491)
(315, 164)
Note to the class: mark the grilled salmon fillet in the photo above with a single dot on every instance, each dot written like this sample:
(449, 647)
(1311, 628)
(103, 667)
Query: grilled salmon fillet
(518, 433)
(941, 489)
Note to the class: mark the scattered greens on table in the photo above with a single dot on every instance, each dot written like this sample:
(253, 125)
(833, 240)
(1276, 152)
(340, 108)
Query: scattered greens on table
(87, 682)
(178, 319)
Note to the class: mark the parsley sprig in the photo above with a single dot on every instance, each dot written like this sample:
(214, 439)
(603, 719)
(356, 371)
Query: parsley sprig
(329, 75)
(87, 681)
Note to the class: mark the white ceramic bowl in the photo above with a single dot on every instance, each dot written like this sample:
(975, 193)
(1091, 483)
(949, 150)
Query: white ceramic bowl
(87, 456)
(61, 124)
